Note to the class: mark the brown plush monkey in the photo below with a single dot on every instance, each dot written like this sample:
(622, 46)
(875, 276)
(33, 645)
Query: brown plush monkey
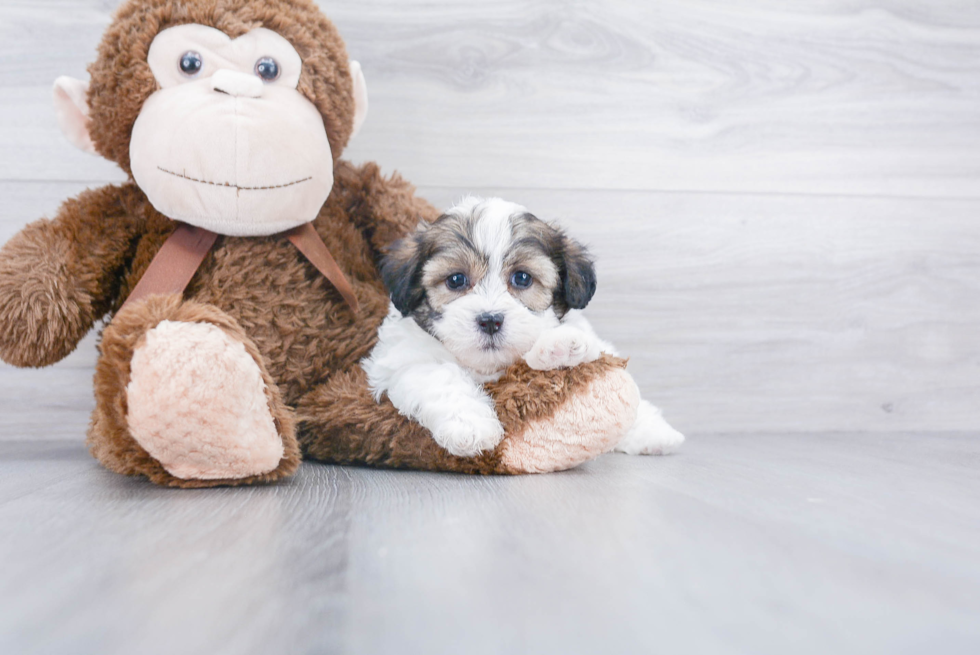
(230, 118)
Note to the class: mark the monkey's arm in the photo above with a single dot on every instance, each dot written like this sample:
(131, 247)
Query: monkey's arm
(385, 209)
(58, 276)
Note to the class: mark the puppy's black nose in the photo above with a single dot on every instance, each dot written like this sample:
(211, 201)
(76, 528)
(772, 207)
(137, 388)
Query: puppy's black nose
(490, 323)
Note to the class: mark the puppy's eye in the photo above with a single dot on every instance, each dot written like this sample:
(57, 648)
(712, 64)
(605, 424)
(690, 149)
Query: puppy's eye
(456, 281)
(191, 63)
(521, 279)
(267, 69)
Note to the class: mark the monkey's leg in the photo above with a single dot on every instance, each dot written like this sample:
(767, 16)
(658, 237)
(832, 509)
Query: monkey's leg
(183, 397)
(554, 420)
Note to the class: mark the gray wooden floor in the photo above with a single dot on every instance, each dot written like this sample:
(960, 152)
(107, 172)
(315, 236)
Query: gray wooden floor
(785, 543)
(784, 200)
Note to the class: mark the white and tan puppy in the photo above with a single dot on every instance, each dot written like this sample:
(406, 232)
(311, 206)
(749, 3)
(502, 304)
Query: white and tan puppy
(483, 286)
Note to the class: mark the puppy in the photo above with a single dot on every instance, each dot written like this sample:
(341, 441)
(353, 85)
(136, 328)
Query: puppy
(481, 287)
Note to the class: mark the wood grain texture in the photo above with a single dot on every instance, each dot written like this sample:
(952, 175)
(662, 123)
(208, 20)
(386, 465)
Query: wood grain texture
(842, 97)
(788, 543)
(849, 97)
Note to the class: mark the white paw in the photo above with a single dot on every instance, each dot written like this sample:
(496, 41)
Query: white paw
(563, 346)
(650, 434)
(468, 434)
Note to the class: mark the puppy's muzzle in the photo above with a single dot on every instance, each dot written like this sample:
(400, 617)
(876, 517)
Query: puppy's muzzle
(490, 323)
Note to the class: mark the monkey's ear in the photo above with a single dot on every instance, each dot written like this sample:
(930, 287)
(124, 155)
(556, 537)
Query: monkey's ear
(577, 275)
(360, 97)
(401, 270)
(71, 108)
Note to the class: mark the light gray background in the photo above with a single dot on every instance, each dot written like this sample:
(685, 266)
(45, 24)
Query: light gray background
(783, 199)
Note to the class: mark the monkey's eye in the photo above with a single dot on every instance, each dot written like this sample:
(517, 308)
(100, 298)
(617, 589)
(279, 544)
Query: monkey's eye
(191, 63)
(521, 279)
(456, 281)
(267, 69)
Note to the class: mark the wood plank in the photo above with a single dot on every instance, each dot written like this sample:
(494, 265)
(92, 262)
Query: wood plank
(857, 97)
(787, 543)
(740, 313)
(40, 41)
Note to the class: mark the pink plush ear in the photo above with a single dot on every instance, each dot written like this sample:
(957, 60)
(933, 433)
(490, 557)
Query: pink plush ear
(71, 109)
(360, 96)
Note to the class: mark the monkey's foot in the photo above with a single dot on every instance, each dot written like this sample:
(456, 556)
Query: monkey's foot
(197, 404)
(590, 421)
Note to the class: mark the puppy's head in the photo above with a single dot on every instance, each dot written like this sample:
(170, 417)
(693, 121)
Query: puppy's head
(486, 279)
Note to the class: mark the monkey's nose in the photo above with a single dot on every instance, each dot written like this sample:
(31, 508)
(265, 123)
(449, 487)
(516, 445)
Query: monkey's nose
(490, 323)
(240, 85)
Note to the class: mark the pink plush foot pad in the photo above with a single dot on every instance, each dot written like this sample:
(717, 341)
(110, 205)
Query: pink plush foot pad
(587, 425)
(197, 404)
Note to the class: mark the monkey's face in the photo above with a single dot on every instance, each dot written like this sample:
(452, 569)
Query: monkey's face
(228, 115)
(228, 143)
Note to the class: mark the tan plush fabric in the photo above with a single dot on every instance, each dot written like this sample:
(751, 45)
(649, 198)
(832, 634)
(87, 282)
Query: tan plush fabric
(197, 404)
(585, 424)
(224, 150)
(122, 81)
(110, 438)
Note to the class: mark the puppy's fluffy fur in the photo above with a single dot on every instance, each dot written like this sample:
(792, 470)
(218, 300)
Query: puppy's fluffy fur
(484, 285)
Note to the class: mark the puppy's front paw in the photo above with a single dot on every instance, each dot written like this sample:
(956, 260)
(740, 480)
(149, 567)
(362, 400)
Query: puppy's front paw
(466, 436)
(650, 434)
(563, 346)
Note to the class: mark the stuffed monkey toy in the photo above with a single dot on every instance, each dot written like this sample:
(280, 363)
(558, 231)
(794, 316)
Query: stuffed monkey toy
(238, 266)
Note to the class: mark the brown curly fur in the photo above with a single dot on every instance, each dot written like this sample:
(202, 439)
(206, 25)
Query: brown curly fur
(57, 277)
(302, 329)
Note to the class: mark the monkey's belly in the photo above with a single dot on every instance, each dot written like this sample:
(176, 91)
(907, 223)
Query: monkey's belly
(297, 319)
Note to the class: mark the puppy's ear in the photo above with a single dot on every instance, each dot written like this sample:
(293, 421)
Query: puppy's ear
(578, 281)
(401, 270)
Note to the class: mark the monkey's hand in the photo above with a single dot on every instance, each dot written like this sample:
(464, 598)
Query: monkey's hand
(57, 277)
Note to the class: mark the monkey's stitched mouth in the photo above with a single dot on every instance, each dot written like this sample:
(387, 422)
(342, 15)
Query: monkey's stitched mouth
(235, 186)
